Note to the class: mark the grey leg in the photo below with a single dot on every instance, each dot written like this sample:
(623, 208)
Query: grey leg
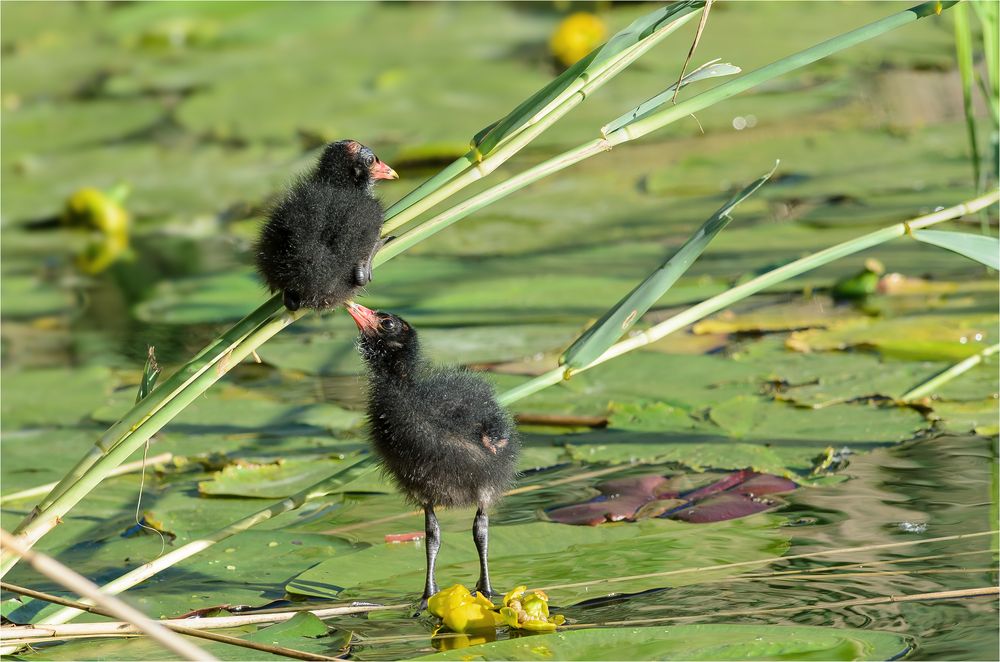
(481, 535)
(432, 542)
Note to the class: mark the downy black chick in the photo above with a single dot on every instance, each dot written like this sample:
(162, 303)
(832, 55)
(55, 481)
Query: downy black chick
(318, 244)
(439, 432)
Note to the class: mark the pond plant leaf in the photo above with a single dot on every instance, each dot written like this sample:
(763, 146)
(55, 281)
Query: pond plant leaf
(736, 495)
(69, 395)
(623, 315)
(710, 69)
(275, 480)
(694, 642)
(984, 250)
(303, 624)
(544, 554)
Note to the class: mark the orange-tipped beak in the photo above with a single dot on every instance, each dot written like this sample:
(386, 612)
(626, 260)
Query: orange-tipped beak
(365, 318)
(380, 170)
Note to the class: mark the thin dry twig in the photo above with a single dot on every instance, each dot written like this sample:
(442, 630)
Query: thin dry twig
(694, 45)
(41, 632)
(123, 469)
(883, 599)
(774, 559)
(80, 585)
(191, 632)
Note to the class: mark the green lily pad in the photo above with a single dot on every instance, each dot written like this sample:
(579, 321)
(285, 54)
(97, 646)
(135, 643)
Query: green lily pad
(753, 417)
(977, 416)
(329, 346)
(43, 128)
(273, 480)
(291, 631)
(28, 296)
(926, 337)
(69, 395)
(234, 409)
(693, 642)
(538, 555)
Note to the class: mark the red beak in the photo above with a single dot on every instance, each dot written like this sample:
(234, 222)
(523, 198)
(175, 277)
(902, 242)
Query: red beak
(380, 170)
(365, 318)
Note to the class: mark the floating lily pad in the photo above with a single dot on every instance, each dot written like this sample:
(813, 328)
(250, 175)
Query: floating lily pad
(274, 480)
(28, 296)
(70, 394)
(234, 409)
(737, 495)
(753, 417)
(927, 337)
(538, 555)
(977, 416)
(694, 642)
(328, 347)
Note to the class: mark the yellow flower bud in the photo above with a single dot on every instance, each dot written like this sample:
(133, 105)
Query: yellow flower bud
(575, 36)
(94, 209)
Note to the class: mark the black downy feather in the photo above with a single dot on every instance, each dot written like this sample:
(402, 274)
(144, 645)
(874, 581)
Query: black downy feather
(318, 242)
(440, 433)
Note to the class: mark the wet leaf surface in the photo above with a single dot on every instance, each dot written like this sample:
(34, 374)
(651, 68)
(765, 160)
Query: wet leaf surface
(694, 642)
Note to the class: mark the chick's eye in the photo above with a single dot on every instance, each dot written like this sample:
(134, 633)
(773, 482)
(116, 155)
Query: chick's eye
(389, 324)
(369, 160)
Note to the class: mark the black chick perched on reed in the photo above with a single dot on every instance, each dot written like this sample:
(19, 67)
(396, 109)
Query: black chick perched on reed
(439, 432)
(318, 243)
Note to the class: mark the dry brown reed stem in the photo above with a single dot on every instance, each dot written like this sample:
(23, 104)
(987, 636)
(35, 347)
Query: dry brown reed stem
(191, 632)
(80, 585)
(121, 470)
(120, 628)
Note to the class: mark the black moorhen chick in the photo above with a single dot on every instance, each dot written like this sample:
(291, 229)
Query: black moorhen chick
(318, 244)
(439, 432)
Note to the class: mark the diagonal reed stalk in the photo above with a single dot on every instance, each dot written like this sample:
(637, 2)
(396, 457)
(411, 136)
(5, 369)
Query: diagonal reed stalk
(498, 142)
(153, 412)
(80, 585)
(740, 292)
(928, 387)
(557, 375)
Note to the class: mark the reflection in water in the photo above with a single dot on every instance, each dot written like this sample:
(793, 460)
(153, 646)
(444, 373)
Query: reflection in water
(943, 483)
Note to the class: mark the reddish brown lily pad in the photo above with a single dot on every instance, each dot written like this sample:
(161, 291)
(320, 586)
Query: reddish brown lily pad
(735, 495)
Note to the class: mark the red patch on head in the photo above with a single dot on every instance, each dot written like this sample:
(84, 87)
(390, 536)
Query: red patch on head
(353, 146)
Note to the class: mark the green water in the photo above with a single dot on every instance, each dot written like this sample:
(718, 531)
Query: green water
(206, 110)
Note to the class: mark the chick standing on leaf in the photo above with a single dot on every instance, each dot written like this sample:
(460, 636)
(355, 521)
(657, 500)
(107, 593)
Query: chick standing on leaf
(439, 432)
(318, 244)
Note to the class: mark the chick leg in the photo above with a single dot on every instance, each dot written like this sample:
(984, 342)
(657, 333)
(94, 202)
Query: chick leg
(432, 542)
(481, 535)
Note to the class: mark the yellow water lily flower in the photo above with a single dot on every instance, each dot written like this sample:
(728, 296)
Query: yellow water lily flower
(529, 610)
(575, 36)
(91, 208)
(463, 612)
